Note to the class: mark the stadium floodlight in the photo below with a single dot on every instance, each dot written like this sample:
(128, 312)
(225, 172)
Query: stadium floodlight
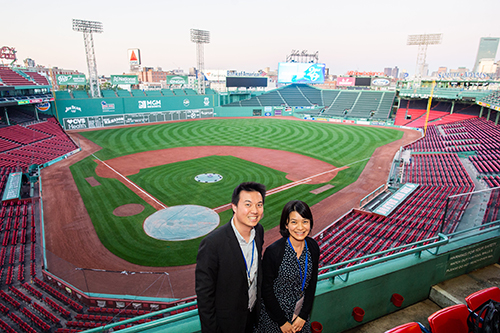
(200, 37)
(88, 28)
(423, 41)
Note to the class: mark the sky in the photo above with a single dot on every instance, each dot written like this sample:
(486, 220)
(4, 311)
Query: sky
(357, 35)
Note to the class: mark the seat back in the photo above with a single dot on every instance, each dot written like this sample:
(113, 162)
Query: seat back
(479, 297)
(406, 328)
(452, 319)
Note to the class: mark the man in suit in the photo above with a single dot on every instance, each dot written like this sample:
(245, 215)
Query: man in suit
(228, 266)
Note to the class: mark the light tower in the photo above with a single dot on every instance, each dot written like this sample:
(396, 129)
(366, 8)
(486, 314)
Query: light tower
(88, 28)
(422, 41)
(200, 37)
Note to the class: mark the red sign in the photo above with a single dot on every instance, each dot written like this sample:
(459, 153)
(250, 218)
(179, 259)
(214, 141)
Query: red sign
(355, 73)
(8, 53)
(346, 81)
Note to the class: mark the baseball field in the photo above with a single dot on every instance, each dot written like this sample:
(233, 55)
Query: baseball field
(160, 161)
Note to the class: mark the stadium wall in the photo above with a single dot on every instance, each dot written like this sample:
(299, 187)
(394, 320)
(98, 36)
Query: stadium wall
(102, 112)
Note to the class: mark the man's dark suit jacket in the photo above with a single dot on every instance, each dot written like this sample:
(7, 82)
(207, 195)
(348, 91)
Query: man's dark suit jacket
(221, 281)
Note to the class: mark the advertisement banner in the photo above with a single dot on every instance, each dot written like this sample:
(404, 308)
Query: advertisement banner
(71, 79)
(124, 79)
(380, 82)
(346, 81)
(177, 79)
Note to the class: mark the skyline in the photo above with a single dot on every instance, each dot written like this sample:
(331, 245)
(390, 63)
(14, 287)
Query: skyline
(360, 36)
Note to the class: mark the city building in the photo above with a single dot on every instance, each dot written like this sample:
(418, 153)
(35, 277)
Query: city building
(487, 50)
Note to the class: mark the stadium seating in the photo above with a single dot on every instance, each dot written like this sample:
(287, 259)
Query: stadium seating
(452, 319)
(80, 94)
(10, 77)
(39, 79)
(479, 297)
(108, 93)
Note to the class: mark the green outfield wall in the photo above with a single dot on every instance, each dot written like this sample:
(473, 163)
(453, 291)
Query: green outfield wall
(102, 112)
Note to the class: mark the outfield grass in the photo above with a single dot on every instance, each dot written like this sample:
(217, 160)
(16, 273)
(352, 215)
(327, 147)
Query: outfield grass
(174, 184)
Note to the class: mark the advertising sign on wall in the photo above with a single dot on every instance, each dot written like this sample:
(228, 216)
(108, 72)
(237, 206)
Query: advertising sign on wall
(124, 79)
(177, 79)
(346, 81)
(71, 79)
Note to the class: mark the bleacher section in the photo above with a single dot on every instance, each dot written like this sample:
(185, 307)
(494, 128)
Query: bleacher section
(337, 103)
(80, 94)
(123, 93)
(11, 78)
(39, 79)
(63, 94)
(137, 93)
(33, 144)
(360, 233)
(108, 93)
(436, 167)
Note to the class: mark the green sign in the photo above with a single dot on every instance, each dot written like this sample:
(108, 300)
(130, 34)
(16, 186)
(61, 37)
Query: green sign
(71, 79)
(124, 79)
(177, 79)
(13, 187)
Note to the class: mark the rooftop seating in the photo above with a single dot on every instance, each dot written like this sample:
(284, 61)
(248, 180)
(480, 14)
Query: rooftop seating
(12, 78)
(123, 93)
(39, 79)
(153, 93)
(63, 94)
(108, 93)
(137, 93)
(80, 94)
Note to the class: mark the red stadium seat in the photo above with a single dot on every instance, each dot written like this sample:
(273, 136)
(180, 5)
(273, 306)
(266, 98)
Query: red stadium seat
(479, 297)
(452, 319)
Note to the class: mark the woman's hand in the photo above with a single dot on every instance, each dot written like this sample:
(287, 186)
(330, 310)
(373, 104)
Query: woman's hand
(297, 324)
(287, 328)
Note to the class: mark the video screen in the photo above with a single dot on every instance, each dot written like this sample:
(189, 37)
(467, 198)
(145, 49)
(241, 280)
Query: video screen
(296, 72)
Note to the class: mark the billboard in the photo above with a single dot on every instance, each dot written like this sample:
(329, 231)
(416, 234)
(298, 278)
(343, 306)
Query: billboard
(246, 81)
(363, 81)
(346, 81)
(134, 57)
(71, 79)
(296, 72)
(124, 79)
(380, 82)
(177, 79)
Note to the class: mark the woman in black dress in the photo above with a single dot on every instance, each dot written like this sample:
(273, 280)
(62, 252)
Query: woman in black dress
(290, 268)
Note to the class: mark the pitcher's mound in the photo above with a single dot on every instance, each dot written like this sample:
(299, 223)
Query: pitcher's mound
(179, 223)
(128, 210)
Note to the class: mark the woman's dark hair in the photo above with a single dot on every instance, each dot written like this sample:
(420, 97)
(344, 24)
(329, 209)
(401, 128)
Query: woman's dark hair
(294, 206)
(248, 187)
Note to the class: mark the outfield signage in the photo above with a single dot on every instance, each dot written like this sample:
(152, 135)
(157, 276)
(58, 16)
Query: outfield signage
(134, 118)
(396, 199)
(177, 79)
(124, 79)
(71, 79)
(13, 187)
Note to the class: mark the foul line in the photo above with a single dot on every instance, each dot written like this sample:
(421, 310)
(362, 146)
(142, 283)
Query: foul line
(292, 184)
(131, 183)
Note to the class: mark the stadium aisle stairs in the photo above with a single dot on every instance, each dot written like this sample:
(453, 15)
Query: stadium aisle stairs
(442, 295)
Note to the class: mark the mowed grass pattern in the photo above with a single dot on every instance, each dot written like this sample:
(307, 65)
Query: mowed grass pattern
(174, 184)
